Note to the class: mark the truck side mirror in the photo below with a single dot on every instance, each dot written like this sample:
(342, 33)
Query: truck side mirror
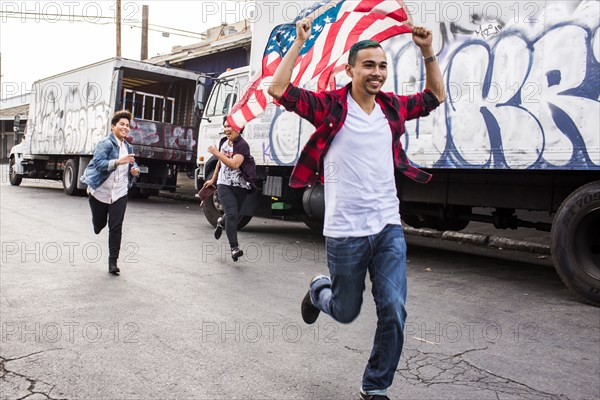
(199, 96)
(17, 123)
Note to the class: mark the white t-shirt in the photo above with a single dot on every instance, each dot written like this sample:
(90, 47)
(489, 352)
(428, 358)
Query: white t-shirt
(229, 176)
(360, 189)
(117, 183)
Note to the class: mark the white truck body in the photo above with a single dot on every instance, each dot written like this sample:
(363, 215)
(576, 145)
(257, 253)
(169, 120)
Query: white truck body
(520, 129)
(70, 113)
(506, 74)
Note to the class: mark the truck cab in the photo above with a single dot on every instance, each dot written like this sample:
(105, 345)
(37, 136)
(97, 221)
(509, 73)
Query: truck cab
(224, 94)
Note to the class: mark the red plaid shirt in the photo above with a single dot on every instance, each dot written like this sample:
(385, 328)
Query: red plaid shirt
(327, 112)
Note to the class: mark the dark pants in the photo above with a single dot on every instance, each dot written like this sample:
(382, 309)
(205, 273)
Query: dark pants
(115, 213)
(231, 198)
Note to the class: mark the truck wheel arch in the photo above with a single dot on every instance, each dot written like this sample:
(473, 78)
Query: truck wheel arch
(210, 166)
(576, 242)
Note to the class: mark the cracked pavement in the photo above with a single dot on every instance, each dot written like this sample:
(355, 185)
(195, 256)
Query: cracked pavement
(14, 385)
(430, 368)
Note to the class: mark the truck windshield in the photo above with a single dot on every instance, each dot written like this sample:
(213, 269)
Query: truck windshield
(224, 95)
(222, 99)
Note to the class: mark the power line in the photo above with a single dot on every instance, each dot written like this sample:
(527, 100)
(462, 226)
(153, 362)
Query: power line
(87, 19)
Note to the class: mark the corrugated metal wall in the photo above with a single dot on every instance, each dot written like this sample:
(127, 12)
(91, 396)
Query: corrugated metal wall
(219, 62)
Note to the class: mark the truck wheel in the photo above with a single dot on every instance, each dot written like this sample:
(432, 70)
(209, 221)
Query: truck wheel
(70, 176)
(576, 242)
(15, 179)
(213, 210)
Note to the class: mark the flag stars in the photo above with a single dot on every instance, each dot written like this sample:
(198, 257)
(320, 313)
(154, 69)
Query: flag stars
(318, 27)
(327, 20)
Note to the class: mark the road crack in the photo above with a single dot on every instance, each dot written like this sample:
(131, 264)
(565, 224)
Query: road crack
(430, 369)
(21, 387)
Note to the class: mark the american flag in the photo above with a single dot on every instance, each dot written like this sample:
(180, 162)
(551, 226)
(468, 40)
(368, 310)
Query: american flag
(337, 25)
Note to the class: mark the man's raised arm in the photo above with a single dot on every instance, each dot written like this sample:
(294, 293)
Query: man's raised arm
(434, 80)
(283, 74)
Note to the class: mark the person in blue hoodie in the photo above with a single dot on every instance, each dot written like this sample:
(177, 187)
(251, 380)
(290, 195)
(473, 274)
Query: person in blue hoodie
(109, 176)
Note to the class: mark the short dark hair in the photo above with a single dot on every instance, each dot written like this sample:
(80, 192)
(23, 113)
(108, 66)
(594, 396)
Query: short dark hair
(117, 116)
(358, 46)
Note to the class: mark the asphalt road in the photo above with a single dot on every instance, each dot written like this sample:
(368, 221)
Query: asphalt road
(183, 321)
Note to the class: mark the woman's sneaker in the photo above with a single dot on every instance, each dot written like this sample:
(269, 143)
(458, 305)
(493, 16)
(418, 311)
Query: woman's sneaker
(236, 253)
(219, 228)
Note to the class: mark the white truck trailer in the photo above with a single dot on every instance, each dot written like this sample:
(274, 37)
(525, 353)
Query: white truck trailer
(520, 129)
(70, 112)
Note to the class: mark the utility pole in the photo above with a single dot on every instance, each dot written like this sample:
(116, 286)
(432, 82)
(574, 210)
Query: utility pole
(118, 28)
(145, 12)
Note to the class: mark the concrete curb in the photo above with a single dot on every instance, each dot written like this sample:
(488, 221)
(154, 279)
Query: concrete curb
(181, 197)
(483, 240)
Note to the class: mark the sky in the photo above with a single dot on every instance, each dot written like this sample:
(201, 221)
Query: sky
(39, 39)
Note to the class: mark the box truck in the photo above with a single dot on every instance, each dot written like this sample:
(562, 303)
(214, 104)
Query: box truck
(520, 129)
(70, 112)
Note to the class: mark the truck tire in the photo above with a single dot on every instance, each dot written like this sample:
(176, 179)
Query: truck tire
(15, 179)
(576, 242)
(213, 211)
(70, 176)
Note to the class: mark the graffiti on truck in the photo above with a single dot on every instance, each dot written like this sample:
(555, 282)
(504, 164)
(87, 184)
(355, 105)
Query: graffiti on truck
(162, 140)
(69, 119)
(519, 96)
(73, 118)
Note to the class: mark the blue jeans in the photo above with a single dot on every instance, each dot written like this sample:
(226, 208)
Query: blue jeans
(348, 259)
